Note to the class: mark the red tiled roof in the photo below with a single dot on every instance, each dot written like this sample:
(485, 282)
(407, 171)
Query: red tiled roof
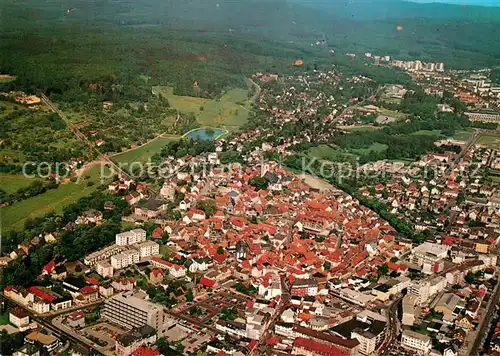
(396, 266)
(157, 233)
(77, 315)
(88, 290)
(252, 344)
(318, 348)
(207, 282)
(49, 267)
(41, 294)
(145, 351)
(157, 272)
(92, 281)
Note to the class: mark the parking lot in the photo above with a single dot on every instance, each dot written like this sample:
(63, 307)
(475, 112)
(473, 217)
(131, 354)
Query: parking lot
(104, 332)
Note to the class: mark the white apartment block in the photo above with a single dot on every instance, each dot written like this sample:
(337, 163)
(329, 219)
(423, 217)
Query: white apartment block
(103, 254)
(148, 248)
(104, 268)
(125, 259)
(420, 290)
(428, 253)
(40, 306)
(409, 309)
(424, 289)
(130, 237)
(132, 255)
(437, 284)
(119, 261)
(20, 319)
(416, 342)
(131, 312)
(367, 341)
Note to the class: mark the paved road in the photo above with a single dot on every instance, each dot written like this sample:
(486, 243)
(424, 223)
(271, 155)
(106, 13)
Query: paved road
(485, 325)
(472, 141)
(283, 303)
(60, 333)
(392, 331)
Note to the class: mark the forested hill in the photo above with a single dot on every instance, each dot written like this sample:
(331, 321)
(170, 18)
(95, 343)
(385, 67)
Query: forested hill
(461, 36)
(50, 43)
(369, 10)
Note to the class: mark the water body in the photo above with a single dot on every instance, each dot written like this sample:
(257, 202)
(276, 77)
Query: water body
(203, 134)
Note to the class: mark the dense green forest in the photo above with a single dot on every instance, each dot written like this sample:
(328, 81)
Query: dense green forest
(62, 46)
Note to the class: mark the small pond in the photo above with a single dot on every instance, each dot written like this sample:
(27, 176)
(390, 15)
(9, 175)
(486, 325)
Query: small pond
(205, 134)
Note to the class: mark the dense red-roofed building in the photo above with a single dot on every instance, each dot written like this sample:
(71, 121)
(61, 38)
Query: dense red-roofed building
(396, 267)
(207, 282)
(92, 281)
(145, 351)
(252, 345)
(303, 346)
(41, 294)
(220, 258)
(156, 276)
(48, 268)
(273, 340)
(89, 294)
(157, 233)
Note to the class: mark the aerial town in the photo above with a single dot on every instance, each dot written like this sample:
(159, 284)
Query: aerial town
(353, 212)
(253, 259)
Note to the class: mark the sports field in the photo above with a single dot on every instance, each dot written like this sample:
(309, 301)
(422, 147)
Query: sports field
(229, 111)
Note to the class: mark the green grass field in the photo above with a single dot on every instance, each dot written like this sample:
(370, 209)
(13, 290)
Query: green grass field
(489, 141)
(391, 113)
(14, 216)
(224, 112)
(328, 153)
(7, 107)
(363, 128)
(13, 182)
(377, 147)
(142, 154)
(495, 179)
(427, 132)
(463, 135)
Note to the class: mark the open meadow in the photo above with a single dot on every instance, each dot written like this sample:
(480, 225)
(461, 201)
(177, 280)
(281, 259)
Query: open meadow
(229, 111)
(327, 153)
(14, 216)
(489, 141)
(463, 135)
(143, 153)
(11, 183)
(377, 147)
